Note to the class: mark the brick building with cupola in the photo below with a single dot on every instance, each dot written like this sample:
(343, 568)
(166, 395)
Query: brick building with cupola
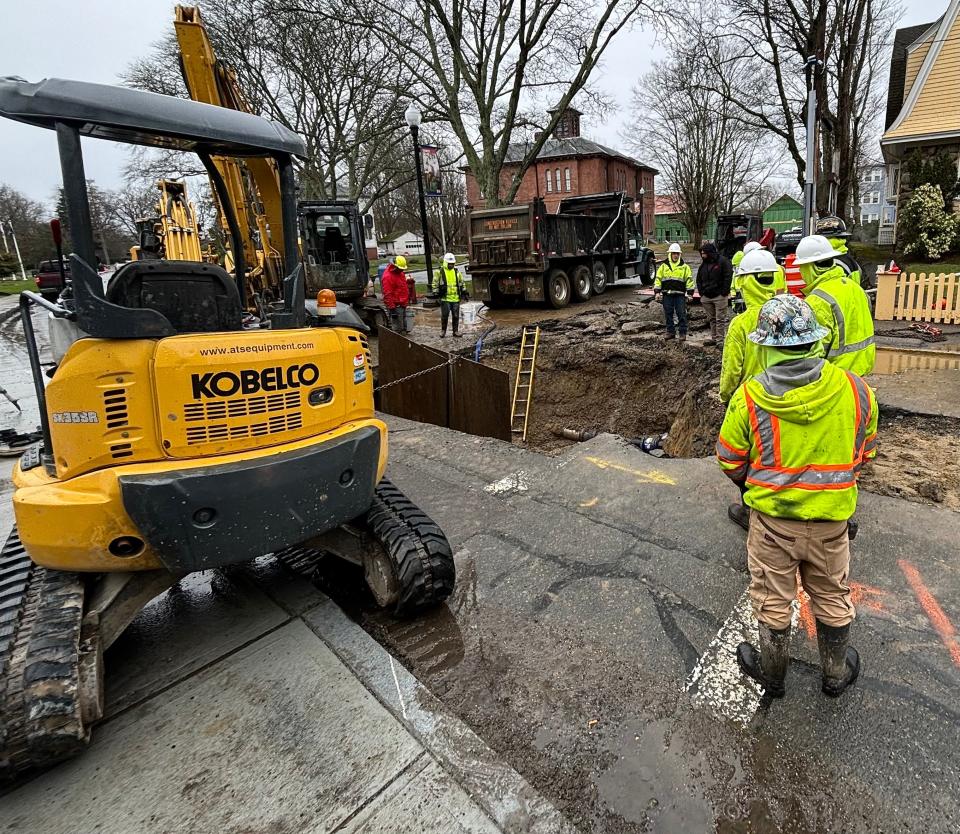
(570, 165)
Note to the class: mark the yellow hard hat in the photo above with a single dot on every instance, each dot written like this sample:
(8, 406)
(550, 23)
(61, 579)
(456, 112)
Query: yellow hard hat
(400, 262)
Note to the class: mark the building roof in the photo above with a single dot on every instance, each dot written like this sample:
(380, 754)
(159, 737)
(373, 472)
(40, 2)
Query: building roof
(397, 236)
(785, 199)
(666, 204)
(573, 146)
(902, 39)
(931, 106)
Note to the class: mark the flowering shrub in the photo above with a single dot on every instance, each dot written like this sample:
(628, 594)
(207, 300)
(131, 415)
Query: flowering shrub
(926, 229)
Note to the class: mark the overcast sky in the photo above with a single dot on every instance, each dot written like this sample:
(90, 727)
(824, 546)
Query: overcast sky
(94, 40)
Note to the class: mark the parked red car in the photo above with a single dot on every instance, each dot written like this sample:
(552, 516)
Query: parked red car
(49, 281)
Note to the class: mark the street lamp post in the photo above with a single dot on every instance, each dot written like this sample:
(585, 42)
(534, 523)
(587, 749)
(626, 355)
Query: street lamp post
(16, 247)
(413, 118)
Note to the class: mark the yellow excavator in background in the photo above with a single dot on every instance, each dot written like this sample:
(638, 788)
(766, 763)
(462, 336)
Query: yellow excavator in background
(173, 232)
(175, 438)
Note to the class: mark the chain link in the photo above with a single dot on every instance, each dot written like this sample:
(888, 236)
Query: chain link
(450, 361)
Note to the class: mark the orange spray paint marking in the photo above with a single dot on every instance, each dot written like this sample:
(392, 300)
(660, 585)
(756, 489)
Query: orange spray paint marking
(861, 595)
(938, 619)
(807, 620)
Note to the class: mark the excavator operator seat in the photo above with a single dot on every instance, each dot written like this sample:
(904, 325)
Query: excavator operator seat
(335, 245)
(195, 297)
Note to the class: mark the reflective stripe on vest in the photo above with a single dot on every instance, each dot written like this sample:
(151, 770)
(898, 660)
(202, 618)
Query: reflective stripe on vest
(768, 472)
(861, 397)
(842, 347)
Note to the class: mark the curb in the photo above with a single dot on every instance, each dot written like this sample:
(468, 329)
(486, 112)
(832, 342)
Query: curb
(507, 798)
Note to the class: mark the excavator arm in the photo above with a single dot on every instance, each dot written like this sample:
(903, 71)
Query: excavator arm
(253, 185)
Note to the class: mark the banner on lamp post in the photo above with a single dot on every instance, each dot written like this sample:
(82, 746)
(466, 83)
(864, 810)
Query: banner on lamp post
(430, 161)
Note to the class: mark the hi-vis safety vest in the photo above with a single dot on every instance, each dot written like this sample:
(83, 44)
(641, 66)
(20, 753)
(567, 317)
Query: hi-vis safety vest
(449, 284)
(841, 306)
(799, 450)
(673, 278)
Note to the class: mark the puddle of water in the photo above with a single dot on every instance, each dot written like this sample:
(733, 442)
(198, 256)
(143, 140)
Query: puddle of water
(894, 361)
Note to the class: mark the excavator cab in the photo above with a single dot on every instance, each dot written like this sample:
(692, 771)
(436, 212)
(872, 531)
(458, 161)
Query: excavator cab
(176, 437)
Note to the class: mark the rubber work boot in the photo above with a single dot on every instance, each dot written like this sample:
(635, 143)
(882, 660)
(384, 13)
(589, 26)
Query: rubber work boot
(683, 337)
(669, 336)
(739, 513)
(768, 667)
(840, 662)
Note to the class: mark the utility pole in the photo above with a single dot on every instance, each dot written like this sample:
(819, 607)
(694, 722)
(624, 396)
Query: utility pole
(16, 246)
(813, 66)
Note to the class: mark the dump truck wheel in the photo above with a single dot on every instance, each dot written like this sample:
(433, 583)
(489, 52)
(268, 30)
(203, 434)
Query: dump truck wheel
(558, 289)
(418, 568)
(582, 281)
(600, 278)
(649, 271)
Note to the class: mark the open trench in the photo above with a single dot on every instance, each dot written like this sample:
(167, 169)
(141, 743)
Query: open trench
(610, 370)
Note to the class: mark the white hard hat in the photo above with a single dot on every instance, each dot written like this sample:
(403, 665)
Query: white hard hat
(449, 258)
(675, 248)
(815, 248)
(757, 261)
(751, 246)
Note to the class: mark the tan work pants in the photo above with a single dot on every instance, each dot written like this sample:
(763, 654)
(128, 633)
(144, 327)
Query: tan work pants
(777, 547)
(716, 310)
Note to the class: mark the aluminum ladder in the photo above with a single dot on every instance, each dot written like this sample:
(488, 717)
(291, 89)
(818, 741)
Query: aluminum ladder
(523, 385)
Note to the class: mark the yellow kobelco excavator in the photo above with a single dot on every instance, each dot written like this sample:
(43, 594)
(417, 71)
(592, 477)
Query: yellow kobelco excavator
(175, 440)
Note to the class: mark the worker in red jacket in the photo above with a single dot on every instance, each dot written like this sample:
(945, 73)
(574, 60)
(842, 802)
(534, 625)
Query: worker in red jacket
(395, 293)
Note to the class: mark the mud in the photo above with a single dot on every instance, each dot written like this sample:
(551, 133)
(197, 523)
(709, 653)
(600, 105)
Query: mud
(624, 757)
(610, 370)
(917, 460)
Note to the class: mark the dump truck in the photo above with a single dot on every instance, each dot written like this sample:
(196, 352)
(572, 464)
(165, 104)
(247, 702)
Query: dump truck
(175, 438)
(522, 252)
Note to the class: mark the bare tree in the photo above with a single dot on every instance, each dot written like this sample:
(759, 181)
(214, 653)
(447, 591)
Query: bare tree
(756, 50)
(336, 86)
(29, 220)
(710, 160)
(488, 68)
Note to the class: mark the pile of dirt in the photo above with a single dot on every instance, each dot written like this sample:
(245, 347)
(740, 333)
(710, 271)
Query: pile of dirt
(917, 459)
(610, 370)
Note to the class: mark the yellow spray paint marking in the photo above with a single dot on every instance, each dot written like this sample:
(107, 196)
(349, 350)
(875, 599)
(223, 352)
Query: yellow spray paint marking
(651, 476)
(591, 503)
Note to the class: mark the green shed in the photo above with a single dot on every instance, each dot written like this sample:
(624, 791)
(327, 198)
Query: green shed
(783, 213)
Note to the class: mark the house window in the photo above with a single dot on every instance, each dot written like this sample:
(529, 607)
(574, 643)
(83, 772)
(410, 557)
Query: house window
(566, 178)
(871, 198)
(559, 186)
(549, 180)
(873, 176)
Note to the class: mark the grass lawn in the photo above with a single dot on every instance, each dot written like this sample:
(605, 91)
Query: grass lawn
(867, 253)
(16, 287)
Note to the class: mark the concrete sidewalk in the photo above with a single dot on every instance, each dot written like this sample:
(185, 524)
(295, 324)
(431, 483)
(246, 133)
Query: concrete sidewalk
(249, 702)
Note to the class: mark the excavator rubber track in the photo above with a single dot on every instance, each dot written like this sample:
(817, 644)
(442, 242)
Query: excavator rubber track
(41, 616)
(413, 543)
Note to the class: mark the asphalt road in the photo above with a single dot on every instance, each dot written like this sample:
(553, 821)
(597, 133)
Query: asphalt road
(591, 593)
